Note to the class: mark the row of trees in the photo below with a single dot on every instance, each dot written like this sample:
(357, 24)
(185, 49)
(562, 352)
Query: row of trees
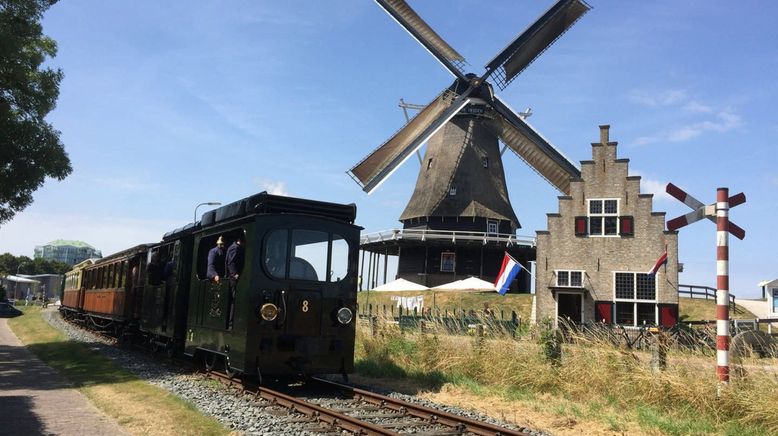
(10, 264)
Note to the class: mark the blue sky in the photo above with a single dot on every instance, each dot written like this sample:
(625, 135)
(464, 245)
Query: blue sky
(168, 104)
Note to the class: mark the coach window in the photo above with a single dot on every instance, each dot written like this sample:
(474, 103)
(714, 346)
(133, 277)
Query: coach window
(208, 242)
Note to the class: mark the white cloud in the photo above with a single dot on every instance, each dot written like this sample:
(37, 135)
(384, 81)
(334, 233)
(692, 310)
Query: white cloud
(670, 97)
(273, 187)
(724, 121)
(653, 186)
(679, 100)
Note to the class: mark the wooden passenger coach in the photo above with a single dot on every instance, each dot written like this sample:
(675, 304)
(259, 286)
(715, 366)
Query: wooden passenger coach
(112, 287)
(73, 292)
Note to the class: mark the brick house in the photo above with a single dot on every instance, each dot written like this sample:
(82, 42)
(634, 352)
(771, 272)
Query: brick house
(592, 262)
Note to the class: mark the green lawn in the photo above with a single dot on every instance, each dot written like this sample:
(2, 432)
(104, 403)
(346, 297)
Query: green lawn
(137, 406)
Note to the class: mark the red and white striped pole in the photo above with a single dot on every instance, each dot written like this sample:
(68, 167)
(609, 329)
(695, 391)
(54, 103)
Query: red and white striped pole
(722, 284)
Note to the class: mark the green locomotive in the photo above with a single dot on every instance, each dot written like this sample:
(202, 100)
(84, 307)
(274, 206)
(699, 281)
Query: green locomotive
(289, 311)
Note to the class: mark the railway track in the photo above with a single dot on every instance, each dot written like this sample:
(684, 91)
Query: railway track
(334, 408)
(338, 407)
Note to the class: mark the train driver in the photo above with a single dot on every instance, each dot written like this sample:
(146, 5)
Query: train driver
(216, 260)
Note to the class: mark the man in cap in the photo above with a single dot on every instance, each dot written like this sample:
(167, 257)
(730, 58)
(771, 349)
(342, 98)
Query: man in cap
(234, 269)
(216, 261)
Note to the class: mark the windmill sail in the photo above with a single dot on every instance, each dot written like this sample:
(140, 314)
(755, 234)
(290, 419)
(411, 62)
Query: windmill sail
(384, 160)
(534, 40)
(533, 148)
(423, 33)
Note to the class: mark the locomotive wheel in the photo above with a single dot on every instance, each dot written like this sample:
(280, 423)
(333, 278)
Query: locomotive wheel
(209, 360)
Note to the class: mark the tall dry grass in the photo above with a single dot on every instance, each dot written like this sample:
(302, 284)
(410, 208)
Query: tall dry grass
(591, 369)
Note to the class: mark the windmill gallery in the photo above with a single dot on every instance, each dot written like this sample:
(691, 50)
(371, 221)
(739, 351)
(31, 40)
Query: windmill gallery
(459, 220)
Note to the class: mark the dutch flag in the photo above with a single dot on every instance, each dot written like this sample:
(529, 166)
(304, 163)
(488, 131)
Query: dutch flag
(659, 262)
(510, 268)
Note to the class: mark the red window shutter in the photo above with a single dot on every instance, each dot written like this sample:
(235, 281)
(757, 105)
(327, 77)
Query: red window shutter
(627, 227)
(603, 311)
(668, 315)
(581, 226)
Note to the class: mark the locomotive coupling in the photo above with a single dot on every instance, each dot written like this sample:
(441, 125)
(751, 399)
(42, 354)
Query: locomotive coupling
(268, 311)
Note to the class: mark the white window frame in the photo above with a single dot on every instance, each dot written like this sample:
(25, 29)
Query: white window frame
(490, 224)
(773, 300)
(634, 300)
(602, 216)
(453, 263)
(568, 271)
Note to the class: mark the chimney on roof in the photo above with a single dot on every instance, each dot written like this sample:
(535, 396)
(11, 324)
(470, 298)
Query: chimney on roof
(604, 137)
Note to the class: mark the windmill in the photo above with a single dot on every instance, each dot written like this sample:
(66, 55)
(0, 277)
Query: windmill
(461, 183)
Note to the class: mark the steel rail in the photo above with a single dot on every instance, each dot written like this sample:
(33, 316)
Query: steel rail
(433, 416)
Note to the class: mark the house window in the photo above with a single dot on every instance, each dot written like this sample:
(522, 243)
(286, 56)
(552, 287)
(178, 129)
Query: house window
(775, 300)
(448, 262)
(429, 163)
(604, 217)
(635, 295)
(569, 279)
(492, 227)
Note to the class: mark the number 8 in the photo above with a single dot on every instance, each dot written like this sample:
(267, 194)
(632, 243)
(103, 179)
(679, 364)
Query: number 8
(305, 305)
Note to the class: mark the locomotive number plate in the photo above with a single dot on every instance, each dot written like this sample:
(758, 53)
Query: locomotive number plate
(305, 306)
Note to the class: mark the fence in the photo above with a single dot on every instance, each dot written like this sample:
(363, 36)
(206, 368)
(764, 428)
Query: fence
(705, 292)
(457, 321)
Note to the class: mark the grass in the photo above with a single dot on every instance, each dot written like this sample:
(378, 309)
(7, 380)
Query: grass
(137, 406)
(595, 384)
(698, 309)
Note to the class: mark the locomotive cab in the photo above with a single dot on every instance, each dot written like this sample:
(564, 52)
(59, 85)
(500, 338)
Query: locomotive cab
(294, 297)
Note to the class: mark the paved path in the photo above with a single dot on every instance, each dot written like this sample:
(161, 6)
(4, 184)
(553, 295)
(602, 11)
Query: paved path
(35, 399)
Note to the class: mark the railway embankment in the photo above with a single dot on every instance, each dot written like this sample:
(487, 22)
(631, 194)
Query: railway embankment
(594, 387)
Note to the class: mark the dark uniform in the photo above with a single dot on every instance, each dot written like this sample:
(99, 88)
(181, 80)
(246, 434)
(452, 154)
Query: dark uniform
(234, 270)
(215, 263)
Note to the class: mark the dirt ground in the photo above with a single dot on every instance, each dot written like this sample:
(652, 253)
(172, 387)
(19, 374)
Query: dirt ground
(532, 414)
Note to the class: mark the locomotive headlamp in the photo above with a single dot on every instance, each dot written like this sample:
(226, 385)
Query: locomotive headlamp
(345, 315)
(268, 311)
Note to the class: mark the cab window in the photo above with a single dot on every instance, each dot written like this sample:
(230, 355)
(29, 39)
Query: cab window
(299, 254)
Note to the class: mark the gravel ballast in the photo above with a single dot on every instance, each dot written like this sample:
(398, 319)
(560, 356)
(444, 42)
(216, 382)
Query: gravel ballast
(242, 413)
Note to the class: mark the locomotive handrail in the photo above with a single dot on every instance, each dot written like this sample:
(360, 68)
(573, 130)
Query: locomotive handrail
(508, 239)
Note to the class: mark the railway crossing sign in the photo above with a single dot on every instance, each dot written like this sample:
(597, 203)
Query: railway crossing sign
(717, 212)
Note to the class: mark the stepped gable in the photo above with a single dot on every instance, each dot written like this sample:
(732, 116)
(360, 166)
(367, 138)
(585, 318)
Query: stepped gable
(605, 243)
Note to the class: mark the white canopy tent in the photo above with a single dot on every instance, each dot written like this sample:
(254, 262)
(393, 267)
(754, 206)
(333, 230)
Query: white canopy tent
(471, 284)
(400, 285)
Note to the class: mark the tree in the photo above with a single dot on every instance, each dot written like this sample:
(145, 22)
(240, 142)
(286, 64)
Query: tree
(30, 148)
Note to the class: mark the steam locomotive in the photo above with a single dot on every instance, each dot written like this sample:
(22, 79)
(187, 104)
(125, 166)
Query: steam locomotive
(294, 300)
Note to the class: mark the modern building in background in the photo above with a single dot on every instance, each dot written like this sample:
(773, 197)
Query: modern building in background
(70, 252)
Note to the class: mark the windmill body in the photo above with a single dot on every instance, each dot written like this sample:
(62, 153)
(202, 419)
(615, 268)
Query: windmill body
(459, 219)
